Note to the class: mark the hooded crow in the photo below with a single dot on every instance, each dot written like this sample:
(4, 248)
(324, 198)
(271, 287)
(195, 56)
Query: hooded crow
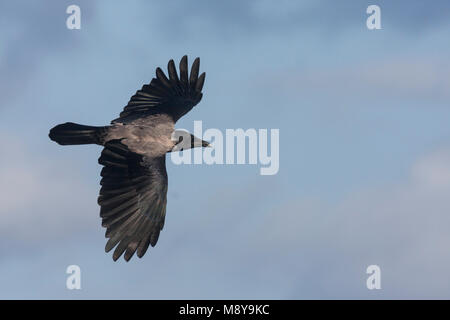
(133, 192)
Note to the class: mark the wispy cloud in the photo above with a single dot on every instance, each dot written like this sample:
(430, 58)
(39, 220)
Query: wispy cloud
(402, 227)
(396, 77)
(37, 205)
(32, 33)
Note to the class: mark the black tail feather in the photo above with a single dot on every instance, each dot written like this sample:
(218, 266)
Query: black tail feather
(71, 134)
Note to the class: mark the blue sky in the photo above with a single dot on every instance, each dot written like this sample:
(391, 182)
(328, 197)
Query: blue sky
(364, 149)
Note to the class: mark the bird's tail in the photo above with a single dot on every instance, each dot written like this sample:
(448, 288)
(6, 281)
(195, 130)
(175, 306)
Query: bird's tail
(71, 133)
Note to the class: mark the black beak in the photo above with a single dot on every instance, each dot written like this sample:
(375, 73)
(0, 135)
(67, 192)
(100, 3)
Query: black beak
(205, 144)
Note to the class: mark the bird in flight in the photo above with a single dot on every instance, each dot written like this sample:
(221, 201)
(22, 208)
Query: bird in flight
(133, 194)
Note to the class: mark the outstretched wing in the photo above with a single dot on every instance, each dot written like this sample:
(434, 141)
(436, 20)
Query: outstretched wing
(132, 199)
(174, 96)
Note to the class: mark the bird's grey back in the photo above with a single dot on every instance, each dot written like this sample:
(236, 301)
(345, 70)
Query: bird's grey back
(149, 136)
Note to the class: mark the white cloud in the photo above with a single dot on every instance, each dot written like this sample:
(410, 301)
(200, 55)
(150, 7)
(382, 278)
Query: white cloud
(41, 198)
(404, 228)
(433, 171)
(410, 77)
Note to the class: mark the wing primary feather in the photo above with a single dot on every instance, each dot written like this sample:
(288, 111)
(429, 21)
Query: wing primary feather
(121, 247)
(194, 73)
(200, 82)
(112, 242)
(184, 71)
(137, 237)
(128, 237)
(131, 250)
(173, 76)
(162, 77)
